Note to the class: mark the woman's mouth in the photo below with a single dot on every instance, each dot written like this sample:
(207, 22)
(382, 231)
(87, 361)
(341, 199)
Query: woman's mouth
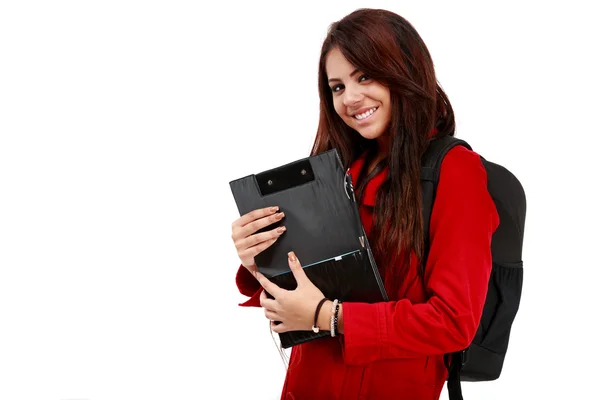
(361, 118)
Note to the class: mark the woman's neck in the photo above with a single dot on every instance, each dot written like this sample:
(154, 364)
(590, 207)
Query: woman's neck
(378, 157)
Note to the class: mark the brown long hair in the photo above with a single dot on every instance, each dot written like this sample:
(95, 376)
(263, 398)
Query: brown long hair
(388, 49)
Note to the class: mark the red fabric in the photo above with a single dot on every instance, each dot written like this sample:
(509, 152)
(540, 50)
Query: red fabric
(395, 349)
(248, 286)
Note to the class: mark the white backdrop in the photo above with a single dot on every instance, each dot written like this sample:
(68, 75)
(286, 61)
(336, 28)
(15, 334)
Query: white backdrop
(123, 122)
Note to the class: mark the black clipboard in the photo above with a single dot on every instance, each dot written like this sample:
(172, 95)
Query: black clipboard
(323, 229)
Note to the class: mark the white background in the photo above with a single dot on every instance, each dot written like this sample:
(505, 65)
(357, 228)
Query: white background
(123, 122)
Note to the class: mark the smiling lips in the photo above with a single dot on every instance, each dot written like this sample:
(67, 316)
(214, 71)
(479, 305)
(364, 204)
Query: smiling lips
(366, 115)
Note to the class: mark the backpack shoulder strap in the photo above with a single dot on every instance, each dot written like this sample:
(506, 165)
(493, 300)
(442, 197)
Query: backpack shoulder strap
(431, 164)
(435, 153)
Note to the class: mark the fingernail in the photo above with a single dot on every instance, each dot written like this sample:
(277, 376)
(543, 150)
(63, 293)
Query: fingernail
(274, 209)
(281, 229)
(292, 256)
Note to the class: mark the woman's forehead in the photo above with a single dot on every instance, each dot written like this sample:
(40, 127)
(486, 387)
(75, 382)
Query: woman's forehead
(337, 66)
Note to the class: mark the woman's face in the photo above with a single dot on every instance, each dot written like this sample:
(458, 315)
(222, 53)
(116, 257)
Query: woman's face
(362, 103)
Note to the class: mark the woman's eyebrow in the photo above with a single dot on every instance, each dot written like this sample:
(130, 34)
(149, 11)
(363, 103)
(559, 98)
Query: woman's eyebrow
(339, 80)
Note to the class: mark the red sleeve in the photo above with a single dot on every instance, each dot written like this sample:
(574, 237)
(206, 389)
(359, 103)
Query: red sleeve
(248, 286)
(463, 220)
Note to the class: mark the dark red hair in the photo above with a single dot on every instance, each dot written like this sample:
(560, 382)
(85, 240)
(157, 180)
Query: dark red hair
(387, 48)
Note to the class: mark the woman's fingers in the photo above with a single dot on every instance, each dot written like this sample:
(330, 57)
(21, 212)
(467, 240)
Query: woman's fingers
(266, 302)
(253, 251)
(260, 238)
(278, 328)
(253, 216)
(269, 286)
(264, 218)
(269, 305)
(247, 242)
(271, 315)
(253, 227)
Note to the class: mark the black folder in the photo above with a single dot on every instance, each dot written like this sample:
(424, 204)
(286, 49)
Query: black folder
(323, 229)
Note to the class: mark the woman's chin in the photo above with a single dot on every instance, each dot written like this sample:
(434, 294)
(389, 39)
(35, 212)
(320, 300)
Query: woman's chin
(369, 134)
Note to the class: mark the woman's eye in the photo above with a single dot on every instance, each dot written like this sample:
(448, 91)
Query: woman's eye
(337, 88)
(363, 78)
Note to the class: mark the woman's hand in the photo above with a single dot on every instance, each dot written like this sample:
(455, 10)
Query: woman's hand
(294, 309)
(248, 244)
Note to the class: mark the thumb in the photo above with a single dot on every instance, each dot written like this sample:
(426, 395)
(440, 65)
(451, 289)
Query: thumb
(297, 269)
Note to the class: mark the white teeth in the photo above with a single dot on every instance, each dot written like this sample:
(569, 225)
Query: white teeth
(365, 114)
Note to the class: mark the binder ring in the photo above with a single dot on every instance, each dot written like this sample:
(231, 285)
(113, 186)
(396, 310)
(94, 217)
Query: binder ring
(346, 184)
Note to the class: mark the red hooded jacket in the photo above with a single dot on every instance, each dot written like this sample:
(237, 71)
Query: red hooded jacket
(394, 350)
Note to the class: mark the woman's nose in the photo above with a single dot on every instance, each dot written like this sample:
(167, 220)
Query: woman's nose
(352, 97)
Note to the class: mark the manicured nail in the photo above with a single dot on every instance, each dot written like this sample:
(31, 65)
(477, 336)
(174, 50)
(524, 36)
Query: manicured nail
(274, 209)
(281, 229)
(292, 256)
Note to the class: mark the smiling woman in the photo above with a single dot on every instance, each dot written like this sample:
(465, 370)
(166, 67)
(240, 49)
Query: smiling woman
(363, 103)
(381, 107)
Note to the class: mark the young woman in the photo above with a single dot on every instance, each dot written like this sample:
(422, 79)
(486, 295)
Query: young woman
(380, 107)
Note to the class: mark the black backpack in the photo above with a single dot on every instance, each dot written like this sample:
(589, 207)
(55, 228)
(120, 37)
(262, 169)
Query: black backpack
(483, 359)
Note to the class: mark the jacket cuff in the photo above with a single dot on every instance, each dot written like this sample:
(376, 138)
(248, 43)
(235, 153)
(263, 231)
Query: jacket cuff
(248, 286)
(365, 333)
(253, 301)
